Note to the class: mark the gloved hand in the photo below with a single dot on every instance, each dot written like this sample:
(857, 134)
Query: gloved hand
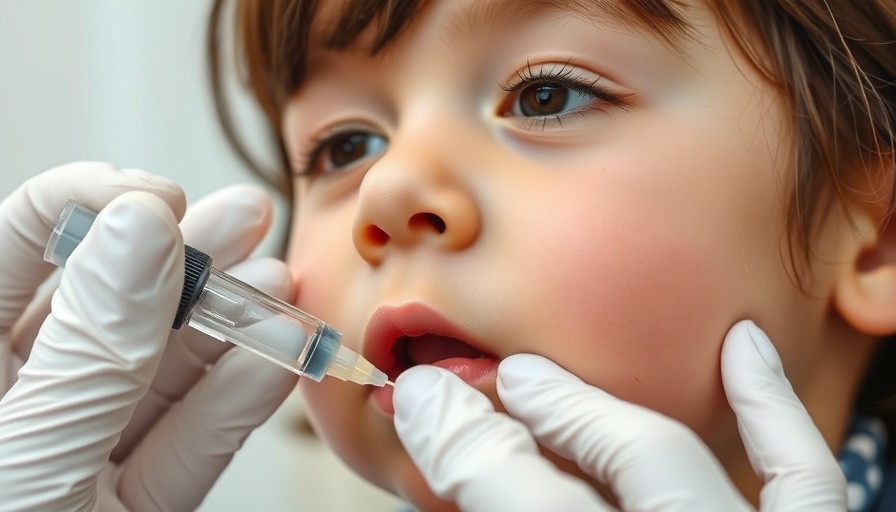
(487, 461)
(108, 413)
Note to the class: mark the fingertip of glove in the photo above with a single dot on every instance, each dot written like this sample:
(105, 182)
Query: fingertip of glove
(104, 174)
(420, 386)
(269, 275)
(134, 204)
(228, 224)
(248, 192)
(165, 188)
(518, 370)
(750, 362)
(94, 184)
(169, 191)
(746, 340)
(249, 202)
(135, 244)
(417, 377)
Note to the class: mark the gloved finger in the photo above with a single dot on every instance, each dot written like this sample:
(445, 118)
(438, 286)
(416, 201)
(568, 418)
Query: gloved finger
(25, 330)
(785, 447)
(183, 365)
(195, 441)
(647, 457)
(481, 459)
(27, 217)
(22, 337)
(23, 334)
(227, 225)
(94, 358)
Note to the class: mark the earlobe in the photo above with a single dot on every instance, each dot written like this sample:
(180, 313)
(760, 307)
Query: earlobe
(865, 293)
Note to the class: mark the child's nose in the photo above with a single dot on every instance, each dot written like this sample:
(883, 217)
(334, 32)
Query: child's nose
(401, 208)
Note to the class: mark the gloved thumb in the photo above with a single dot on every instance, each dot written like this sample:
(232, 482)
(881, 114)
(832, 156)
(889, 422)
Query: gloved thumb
(94, 356)
(784, 445)
(197, 437)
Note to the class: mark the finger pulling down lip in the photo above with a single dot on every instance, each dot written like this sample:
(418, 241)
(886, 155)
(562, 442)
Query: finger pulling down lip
(398, 337)
(480, 373)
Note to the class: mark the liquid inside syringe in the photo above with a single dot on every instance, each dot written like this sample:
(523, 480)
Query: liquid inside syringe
(228, 309)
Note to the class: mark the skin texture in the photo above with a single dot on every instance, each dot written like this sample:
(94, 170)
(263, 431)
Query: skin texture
(621, 241)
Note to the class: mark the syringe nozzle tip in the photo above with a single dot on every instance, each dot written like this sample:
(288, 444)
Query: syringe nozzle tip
(377, 378)
(350, 366)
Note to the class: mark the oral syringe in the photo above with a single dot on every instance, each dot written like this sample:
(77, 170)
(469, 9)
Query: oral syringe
(227, 309)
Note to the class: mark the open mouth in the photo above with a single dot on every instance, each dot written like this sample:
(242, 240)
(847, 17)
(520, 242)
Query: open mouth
(411, 334)
(400, 337)
(429, 348)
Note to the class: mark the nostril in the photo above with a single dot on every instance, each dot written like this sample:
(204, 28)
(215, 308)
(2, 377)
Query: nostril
(425, 220)
(376, 236)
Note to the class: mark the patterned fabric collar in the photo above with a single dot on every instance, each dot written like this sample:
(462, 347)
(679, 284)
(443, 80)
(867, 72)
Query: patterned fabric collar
(862, 460)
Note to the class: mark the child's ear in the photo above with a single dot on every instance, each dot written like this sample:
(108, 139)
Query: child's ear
(865, 293)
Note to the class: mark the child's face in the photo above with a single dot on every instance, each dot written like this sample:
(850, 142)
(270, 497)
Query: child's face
(549, 183)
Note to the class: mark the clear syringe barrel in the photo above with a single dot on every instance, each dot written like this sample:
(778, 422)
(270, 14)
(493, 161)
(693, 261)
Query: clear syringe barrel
(228, 309)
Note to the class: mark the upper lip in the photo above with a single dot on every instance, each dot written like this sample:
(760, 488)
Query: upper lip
(388, 323)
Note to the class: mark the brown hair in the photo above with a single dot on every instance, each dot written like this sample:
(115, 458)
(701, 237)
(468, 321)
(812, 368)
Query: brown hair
(834, 62)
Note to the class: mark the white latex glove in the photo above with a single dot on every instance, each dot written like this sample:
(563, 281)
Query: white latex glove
(486, 461)
(108, 413)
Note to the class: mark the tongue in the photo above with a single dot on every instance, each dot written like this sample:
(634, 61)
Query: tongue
(430, 348)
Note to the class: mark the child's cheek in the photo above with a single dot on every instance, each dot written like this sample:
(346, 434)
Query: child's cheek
(317, 255)
(637, 302)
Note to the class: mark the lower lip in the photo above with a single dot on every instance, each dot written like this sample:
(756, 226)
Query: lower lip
(478, 373)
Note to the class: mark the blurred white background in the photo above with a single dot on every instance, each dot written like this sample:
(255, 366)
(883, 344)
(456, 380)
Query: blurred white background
(124, 82)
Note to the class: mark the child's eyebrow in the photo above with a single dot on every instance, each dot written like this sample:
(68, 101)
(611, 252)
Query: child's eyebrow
(664, 19)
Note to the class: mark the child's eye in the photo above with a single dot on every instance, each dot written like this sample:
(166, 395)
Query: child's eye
(553, 92)
(345, 149)
(549, 99)
(341, 150)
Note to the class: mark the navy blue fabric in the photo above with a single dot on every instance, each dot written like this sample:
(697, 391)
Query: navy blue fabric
(862, 460)
(887, 499)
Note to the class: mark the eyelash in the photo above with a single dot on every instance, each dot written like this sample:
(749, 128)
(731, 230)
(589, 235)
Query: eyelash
(566, 76)
(302, 165)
